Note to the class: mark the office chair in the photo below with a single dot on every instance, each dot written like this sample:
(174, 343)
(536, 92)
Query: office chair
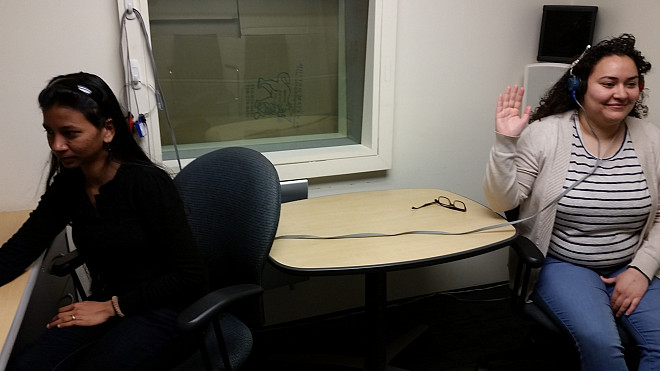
(232, 197)
(530, 258)
(232, 201)
(290, 190)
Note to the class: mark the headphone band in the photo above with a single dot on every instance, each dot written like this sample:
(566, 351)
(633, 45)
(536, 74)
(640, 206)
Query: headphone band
(575, 62)
(71, 84)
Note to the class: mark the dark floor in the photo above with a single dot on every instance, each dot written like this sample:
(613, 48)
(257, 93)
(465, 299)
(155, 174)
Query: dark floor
(463, 328)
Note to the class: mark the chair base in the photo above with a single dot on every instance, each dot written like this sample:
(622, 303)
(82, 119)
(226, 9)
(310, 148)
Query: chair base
(334, 362)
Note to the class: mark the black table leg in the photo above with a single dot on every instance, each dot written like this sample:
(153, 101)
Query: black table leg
(375, 303)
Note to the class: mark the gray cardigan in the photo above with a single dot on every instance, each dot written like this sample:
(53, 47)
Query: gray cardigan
(529, 171)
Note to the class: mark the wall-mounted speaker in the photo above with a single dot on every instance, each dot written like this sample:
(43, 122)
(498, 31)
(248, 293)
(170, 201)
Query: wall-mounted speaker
(539, 78)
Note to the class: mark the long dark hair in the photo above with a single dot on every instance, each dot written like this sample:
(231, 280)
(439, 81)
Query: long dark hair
(91, 96)
(559, 99)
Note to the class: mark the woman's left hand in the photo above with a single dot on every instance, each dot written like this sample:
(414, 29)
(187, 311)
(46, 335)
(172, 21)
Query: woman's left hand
(629, 287)
(85, 313)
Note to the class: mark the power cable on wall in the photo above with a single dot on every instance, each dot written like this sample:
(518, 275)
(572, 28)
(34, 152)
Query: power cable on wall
(160, 99)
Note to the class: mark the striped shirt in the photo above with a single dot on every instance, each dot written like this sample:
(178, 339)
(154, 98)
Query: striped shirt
(598, 223)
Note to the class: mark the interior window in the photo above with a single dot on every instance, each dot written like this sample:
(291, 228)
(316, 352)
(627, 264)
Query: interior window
(274, 75)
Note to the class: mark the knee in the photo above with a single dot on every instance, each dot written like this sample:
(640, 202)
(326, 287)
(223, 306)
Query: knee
(649, 355)
(36, 358)
(597, 338)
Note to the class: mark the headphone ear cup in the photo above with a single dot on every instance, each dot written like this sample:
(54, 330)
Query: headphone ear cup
(573, 84)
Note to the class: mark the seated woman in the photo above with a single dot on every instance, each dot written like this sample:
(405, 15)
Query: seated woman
(588, 170)
(129, 226)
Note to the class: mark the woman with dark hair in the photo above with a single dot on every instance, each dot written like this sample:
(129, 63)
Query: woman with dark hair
(129, 226)
(586, 172)
(90, 95)
(559, 99)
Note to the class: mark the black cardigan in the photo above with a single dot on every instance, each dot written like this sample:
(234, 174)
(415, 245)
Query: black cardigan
(136, 241)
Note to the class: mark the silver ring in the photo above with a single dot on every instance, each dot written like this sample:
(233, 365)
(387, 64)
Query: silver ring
(73, 318)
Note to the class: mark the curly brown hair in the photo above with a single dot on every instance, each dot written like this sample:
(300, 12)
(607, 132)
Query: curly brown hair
(559, 99)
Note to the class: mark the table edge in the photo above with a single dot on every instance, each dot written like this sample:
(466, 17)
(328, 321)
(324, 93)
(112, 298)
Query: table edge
(390, 267)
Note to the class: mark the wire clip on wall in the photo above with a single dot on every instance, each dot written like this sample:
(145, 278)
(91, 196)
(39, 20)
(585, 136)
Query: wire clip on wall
(128, 5)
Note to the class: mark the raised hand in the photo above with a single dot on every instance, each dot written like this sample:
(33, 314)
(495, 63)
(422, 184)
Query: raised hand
(508, 120)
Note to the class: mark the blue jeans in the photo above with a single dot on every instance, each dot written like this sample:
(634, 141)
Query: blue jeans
(146, 341)
(577, 298)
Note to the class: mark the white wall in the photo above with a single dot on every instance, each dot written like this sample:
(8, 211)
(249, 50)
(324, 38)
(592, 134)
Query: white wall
(42, 39)
(453, 58)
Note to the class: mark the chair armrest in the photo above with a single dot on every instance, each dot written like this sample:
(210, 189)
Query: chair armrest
(64, 264)
(527, 252)
(200, 313)
(529, 257)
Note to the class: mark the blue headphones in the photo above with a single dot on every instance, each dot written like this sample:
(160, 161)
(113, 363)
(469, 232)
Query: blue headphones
(574, 82)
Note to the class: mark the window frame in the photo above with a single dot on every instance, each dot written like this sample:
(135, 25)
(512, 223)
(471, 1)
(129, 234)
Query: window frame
(374, 153)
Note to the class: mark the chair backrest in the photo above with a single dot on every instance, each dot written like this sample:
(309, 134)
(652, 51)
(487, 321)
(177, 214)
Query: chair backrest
(232, 199)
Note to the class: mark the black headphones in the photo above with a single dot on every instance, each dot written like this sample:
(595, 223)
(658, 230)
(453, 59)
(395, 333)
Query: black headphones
(74, 83)
(574, 82)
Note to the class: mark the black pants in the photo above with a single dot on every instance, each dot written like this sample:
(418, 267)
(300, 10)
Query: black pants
(147, 341)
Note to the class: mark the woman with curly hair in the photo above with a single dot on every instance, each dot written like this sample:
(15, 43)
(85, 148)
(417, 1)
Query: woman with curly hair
(587, 172)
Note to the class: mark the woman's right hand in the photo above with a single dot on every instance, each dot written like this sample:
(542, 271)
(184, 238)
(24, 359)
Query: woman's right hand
(508, 120)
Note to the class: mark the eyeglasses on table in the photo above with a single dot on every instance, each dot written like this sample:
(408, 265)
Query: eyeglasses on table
(444, 201)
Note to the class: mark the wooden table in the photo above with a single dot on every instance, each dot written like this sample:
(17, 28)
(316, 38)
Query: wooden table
(15, 295)
(381, 212)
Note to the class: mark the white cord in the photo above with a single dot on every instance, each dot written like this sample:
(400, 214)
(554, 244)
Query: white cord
(443, 233)
(160, 99)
